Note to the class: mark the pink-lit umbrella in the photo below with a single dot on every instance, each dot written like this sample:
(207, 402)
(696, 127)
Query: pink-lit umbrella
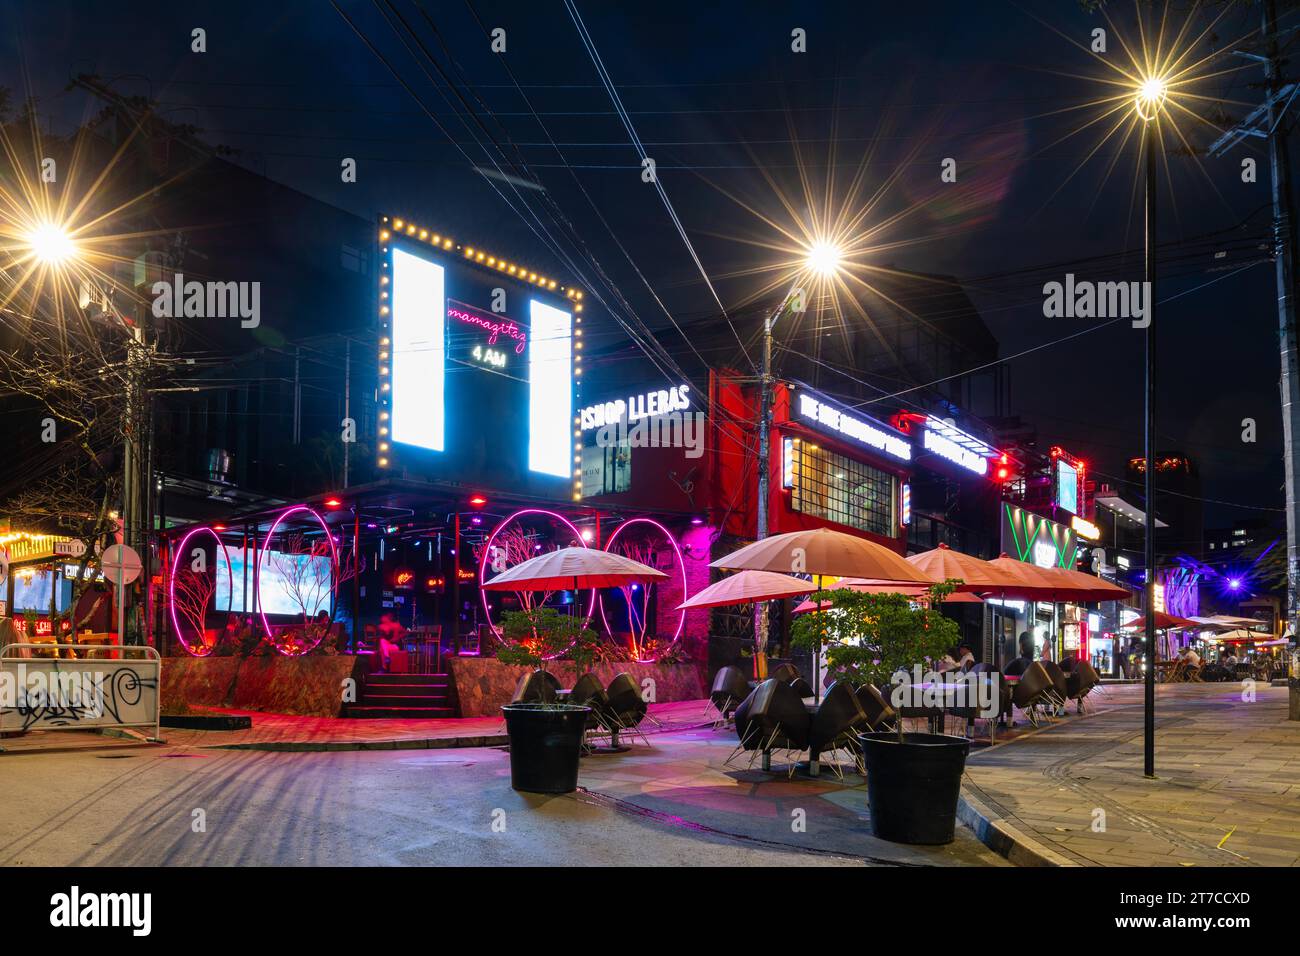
(746, 587)
(573, 569)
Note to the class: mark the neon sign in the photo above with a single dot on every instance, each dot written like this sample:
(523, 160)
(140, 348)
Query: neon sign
(830, 419)
(646, 405)
(494, 326)
(1085, 529)
(948, 441)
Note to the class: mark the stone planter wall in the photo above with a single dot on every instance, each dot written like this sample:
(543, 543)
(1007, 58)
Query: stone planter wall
(481, 685)
(307, 686)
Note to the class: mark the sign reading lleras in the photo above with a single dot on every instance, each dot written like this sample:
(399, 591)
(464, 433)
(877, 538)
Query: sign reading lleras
(1037, 540)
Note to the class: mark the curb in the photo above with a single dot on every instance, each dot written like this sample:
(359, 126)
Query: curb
(424, 743)
(1002, 838)
(307, 746)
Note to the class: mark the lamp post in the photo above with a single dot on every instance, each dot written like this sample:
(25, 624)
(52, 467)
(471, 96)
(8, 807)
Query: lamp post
(1148, 100)
(822, 259)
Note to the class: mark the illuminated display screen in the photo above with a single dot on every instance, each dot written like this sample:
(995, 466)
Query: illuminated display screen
(291, 583)
(1067, 486)
(481, 379)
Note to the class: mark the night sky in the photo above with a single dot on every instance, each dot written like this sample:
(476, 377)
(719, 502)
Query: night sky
(717, 96)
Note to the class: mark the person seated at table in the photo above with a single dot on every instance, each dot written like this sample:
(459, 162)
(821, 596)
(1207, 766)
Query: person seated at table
(391, 637)
(965, 658)
(1018, 666)
(949, 661)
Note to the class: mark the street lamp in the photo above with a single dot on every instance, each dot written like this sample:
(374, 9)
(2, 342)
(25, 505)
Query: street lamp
(822, 260)
(51, 244)
(1148, 99)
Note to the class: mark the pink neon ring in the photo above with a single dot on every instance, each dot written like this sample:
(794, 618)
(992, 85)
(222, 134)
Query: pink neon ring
(171, 586)
(487, 549)
(266, 549)
(681, 563)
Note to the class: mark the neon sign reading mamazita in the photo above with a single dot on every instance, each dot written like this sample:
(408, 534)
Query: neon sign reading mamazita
(636, 407)
(829, 418)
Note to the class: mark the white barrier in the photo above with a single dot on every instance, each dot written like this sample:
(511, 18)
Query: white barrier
(91, 693)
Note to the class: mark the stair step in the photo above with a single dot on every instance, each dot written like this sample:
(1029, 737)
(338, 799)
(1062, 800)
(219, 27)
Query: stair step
(395, 688)
(407, 678)
(405, 700)
(427, 713)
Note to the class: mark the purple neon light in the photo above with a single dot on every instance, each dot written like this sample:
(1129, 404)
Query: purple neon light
(681, 564)
(487, 549)
(266, 550)
(171, 587)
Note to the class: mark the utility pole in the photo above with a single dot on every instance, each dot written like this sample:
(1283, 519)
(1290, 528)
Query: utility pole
(1149, 689)
(765, 384)
(1267, 122)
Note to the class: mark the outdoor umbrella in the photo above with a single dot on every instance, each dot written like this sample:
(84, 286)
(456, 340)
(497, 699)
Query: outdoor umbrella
(746, 587)
(572, 568)
(1164, 622)
(822, 552)
(943, 563)
(1087, 586)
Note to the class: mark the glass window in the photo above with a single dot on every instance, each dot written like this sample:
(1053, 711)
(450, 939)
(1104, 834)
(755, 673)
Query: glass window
(839, 489)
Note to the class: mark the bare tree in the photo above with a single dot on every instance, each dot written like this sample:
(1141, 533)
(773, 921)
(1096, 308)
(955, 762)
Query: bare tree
(637, 597)
(192, 594)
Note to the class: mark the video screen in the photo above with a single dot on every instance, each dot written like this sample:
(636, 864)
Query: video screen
(481, 376)
(294, 584)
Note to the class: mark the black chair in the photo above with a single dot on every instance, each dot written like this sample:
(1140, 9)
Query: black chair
(880, 714)
(982, 673)
(1080, 682)
(1034, 688)
(785, 673)
(1059, 682)
(801, 687)
(588, 692)
(627, 708)
(730, 687)
(835, 725)
(773, 717)
(536, 687)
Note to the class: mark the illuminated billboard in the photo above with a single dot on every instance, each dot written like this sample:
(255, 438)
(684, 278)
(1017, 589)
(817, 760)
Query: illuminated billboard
(479, 360)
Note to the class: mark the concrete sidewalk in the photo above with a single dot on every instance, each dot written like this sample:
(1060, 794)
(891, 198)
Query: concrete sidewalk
(1227, 791)
(286, 732)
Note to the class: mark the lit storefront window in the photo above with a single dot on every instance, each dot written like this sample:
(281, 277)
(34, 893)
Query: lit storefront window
(835, 488)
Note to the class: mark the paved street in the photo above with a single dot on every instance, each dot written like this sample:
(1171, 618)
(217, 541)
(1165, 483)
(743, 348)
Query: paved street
(671, 805)
(1227, 793)
(1229, 778)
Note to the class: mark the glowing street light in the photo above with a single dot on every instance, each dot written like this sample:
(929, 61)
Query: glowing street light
(1150, 96)
(51, 245)
(824, 258)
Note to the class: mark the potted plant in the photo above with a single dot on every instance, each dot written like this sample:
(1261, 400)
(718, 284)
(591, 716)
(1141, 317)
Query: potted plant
(913, 779)
(545, 737)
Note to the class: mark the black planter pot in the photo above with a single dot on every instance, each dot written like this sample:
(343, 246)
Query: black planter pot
(545, 742)
(912, 787)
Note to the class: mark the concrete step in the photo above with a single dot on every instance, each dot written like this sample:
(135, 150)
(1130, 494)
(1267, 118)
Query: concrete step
(405, 700)
(434, 679)
(426, 713)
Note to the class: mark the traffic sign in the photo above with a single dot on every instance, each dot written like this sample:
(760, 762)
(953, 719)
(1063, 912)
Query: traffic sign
(121, 564)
